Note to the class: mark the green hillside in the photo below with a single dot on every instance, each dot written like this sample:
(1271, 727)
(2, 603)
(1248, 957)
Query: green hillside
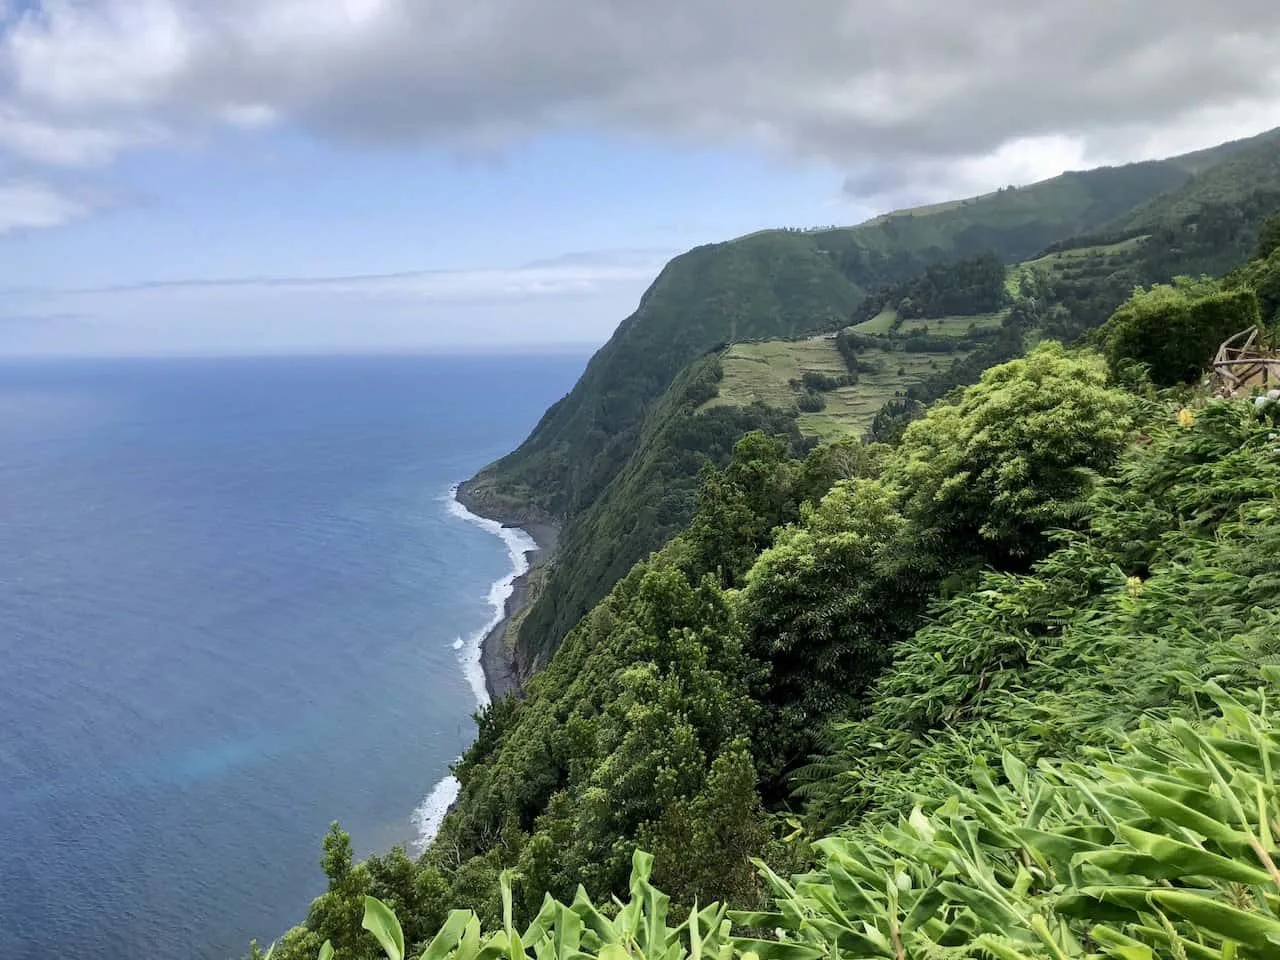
(648, 501)
(1198, 161)
(999, 687)
(778, 283)
(1205, 226)
(1224, 176)
(772, 284)
(1014, 223)
(1011, 675)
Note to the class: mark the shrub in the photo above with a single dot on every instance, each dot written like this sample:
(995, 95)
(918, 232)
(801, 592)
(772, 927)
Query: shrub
(810, 402)
(1176, 330)
(1162, 850)
(816, 382)
(1010, 458)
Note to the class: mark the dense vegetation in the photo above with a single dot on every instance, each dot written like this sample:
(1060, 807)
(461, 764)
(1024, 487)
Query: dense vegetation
(1100, 572)
(649, 501)
(966, 286)
(1222, 179)
(1068, 293)
(1262, 275)
(1162, 849)
(790, 283)
(997, 687)
(1175, 330)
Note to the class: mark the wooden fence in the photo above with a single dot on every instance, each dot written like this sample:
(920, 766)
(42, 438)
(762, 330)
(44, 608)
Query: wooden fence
(1245, 362)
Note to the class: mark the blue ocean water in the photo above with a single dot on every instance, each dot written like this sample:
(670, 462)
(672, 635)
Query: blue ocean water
(230, 592)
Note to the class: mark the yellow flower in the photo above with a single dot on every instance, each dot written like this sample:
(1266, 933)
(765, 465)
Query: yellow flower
(1134, 586)
(1186, 418)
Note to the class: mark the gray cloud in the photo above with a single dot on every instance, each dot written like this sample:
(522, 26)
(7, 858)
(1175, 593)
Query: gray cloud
(941, 94)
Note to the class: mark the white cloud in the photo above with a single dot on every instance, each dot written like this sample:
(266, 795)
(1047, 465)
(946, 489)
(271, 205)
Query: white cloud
(560, 275)
(120, 53)
(31, 138)
(954, 92)
(27, 204)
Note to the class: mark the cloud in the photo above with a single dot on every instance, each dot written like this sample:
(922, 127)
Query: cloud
(73, 145)
(575, 299)
(944, 93)
(554, 276)
(27, 204)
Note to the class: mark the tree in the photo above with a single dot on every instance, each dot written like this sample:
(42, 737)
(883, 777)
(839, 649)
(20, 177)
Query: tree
(829, 463)
(739, 506)
(704, 846)
(993, 471)
(335, 914)
(822, 608)
(1268, 237)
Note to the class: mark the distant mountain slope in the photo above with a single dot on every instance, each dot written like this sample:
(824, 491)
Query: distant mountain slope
(1013, 222)
(1243, 167)
(1199, 161)
(779, 284)
(649, 500)
(1206, 226)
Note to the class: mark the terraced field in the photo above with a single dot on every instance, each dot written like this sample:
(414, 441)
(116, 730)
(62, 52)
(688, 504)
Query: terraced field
(762, 371)
(882, 322)
(953, 326)
(1078, 258)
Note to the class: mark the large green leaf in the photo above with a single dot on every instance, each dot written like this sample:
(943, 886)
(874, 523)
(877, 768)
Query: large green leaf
(380, 920)
(444, 941)
(1253, 928)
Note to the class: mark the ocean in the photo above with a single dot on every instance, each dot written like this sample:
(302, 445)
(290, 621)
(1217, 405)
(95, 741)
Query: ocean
(237, 602)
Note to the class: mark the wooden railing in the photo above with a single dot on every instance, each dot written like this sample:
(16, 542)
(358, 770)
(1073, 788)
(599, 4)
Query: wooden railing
(1245, 362)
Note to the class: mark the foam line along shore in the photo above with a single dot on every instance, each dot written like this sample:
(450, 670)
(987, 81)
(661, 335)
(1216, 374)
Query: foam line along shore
(484, 654)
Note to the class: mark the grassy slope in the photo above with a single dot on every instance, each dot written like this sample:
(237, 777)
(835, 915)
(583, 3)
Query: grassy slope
(1093, 261)
(953, 326)
(882, 322)
(760, 373)
(763, 372)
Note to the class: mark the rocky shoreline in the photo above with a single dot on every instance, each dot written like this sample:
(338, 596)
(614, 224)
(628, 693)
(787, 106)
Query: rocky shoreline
(497, 658)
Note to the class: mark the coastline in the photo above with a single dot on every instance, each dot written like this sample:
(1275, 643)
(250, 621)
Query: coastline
(488, 662)
(498, 662)
(497, 659)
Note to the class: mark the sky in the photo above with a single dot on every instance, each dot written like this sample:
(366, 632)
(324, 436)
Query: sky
(285, 176)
